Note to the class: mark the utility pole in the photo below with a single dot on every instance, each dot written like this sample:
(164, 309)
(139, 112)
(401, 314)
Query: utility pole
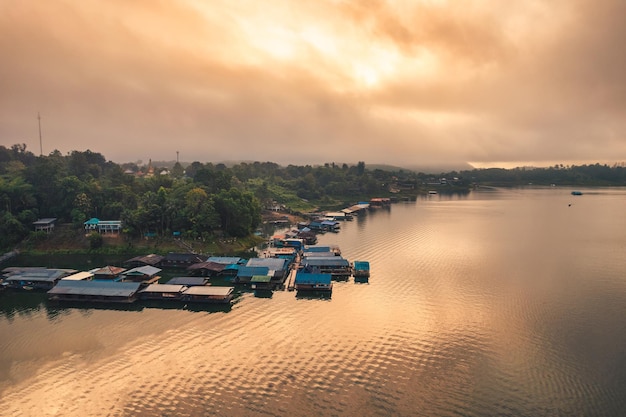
(176, 156)
(40, 143)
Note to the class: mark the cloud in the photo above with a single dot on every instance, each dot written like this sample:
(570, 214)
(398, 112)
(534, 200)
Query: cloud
(316, 81)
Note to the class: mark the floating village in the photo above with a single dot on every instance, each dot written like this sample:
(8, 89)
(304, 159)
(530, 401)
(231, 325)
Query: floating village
(289, 261)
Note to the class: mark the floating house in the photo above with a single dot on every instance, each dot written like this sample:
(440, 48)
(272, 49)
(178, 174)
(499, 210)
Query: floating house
(337, 266)
(245, 273)
(380, 202)
(189, 281)
(261, 282)
(339, 215)
(231, 264)
(309, 236)
(278, 267)
(181, 260)
(282, 253)
(107, 272)
(306, 281)
(361, 271)
(95, 291)
(295, 243)
(219, 295)
(206, 269)
(151, 259)
(35, 278)
(143, 274)
(324, 225)
(321, 249)
(162, 292)
(357, 209)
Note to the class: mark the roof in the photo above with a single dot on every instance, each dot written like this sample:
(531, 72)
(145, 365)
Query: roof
(189, 281)
(226, 260)
(316, 248)
(108, 270)
(311, 278)
(211, 266)
(277, 264)
(250, 271)
(362, 265)
(162, 288)
(79, 276)
(143, 270)
(325, 261)
(206, 290)
(261, 278)
(98, 288)
(93, 220)
(39, 274)
(319, 254)
(45, 221)
(151, 259)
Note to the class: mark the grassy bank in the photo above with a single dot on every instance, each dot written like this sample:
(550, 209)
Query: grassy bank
(66, 240)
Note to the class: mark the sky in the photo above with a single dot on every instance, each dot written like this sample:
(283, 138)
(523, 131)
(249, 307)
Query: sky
(405, 83)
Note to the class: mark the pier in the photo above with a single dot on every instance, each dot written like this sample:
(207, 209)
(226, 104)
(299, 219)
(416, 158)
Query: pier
(291, 278)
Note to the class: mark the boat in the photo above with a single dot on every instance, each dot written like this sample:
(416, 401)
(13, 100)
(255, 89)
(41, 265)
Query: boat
(577, 193)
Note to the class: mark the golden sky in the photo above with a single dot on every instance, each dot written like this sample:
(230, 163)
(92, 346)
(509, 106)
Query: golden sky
(409, 83)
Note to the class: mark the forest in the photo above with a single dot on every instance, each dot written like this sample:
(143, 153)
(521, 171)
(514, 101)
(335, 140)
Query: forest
(204, 200)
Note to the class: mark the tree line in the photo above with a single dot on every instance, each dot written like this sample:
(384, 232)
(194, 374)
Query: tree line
(202, 200)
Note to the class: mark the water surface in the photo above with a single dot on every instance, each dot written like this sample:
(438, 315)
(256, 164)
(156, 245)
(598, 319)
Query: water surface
(497, 303)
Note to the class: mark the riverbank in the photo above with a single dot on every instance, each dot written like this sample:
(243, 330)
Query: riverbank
(66, 240)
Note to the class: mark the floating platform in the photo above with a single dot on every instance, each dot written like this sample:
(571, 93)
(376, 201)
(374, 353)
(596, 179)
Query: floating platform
(217, 295)
(95, 291)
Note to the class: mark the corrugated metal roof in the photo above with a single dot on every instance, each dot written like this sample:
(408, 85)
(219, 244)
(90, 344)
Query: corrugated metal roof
(96, 288)
(326, 261)
(261, 278)
(143, 270)
(226, 260)
(318, 254)
(45, 221)
(205, 290)
(108, 270)
(39, 274)
(162, 288)
(275, 264)
(362, 265)
(211, 266)
(188, 281)
(312, 278)
(79, 276)
(250, 271)
(151, 259)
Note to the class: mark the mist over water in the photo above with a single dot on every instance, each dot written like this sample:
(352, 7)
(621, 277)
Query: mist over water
(508, 302)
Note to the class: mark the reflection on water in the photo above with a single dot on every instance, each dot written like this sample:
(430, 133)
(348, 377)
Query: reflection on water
(499, 302)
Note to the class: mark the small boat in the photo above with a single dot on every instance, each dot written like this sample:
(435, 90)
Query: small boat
(432, 192)
(577, 193)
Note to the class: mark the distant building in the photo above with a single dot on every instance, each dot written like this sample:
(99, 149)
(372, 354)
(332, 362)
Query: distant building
(45, 225)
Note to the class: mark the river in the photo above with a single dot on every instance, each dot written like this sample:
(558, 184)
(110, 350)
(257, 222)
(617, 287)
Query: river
(501, 302)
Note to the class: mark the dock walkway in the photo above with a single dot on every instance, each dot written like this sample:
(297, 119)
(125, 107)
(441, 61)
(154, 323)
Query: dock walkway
(291, 278)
